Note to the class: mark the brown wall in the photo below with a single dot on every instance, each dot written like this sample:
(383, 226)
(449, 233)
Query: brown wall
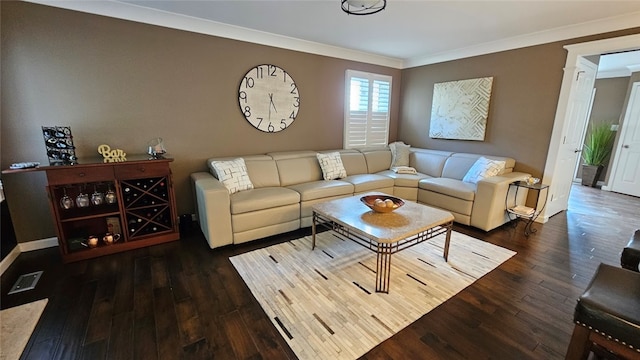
(124, 83)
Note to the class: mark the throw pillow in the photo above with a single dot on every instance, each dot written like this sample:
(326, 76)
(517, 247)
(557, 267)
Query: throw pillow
(331, 165)
(483, 168)
(399, 154)
(233, 174)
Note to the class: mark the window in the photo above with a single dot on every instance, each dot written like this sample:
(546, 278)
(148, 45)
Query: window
(367, 103)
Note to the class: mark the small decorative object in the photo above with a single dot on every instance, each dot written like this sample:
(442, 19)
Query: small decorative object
(460, 109)
(382, 203)
(82, 200)
(116, 155)
(532, 180)
(155, 148)
(110, 238)
(113, 225)
(59, 144)
(97, 198)
(92, 241)
(596, 152)
(269, 98)
(65, 201)
(110, 196)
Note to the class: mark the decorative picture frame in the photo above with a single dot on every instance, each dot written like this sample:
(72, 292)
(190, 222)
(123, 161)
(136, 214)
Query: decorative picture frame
(58, 142)
(460, 109)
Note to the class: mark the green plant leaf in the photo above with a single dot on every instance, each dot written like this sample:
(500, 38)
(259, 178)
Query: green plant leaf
(598, 144)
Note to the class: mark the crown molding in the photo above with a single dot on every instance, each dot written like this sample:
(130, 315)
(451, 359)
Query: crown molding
(132, 12)
(564, 33)
(613, 74)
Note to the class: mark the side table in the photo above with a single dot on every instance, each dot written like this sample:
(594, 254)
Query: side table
(524, 212)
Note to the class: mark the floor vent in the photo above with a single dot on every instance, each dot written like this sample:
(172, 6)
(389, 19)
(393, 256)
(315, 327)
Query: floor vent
(26, 282)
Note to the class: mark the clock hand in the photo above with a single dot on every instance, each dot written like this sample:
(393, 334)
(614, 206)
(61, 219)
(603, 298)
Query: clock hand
(272, 104)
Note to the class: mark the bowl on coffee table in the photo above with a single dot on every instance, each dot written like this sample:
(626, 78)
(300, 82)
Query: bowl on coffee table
(382, 203)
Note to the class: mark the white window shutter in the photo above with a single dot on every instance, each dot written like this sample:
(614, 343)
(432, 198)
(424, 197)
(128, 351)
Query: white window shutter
(367, 104)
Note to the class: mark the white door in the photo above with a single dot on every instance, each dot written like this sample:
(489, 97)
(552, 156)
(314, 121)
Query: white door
(626, 174)
(578, 107)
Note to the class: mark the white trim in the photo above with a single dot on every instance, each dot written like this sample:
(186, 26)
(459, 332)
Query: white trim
(25, 247)
(575, 51)
(613, 74)
(38, 244)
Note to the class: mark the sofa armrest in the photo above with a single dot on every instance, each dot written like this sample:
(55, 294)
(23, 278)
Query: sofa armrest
(213, 209)
(489, 204)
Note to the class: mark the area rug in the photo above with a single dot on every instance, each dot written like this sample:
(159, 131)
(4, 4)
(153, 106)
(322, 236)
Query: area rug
(323, 302)
(16, 325)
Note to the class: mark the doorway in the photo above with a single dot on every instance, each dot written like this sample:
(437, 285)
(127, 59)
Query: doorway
(555, 175)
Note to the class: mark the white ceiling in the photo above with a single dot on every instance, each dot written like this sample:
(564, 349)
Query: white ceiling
(407, 33)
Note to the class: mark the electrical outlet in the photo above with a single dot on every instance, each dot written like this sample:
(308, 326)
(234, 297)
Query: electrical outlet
(614, 127)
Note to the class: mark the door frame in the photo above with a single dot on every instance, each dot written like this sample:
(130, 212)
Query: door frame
(574, 51)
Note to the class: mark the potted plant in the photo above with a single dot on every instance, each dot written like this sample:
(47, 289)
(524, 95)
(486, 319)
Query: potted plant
(596, 152)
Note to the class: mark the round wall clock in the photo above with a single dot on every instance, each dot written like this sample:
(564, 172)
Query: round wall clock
(269, 98)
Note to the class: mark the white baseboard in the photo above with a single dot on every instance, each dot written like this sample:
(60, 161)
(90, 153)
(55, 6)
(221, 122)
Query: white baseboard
(25, 247)
(38, 244)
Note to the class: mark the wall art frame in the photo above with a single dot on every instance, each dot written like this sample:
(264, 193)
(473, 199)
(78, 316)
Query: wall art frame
(460, 109)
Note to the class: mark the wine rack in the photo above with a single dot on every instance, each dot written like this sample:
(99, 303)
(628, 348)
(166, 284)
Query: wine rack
(141, 205)
(147, 209)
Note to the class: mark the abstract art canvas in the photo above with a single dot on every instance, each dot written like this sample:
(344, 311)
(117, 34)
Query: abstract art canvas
(460, 109)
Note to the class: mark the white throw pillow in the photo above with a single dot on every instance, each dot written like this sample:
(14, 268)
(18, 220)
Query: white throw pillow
(331, 165)
(233, 174)
(399, 154)
(483, 168)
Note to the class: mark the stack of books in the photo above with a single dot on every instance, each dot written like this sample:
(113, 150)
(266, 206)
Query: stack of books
(522, 210)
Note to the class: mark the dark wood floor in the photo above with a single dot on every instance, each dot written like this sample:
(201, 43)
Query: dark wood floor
(184, 301)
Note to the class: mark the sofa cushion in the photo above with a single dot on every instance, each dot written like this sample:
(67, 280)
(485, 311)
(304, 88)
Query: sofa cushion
(377, 159)
(483, 168)
(262, 198)
(296, 167)
(331, 165)
(458, 164)
(354, 162)
(233, 174)
(399, 154)
(262, 170)
(429, 162)
(404, 180)
(451, 187)
(322, 189)
(369, 182)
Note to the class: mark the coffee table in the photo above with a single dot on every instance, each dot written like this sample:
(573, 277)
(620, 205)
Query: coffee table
(382, 233)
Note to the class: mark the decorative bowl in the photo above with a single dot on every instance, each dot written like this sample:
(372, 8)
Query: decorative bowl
(370, 201)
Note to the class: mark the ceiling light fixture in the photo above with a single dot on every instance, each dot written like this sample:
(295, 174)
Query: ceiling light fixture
(363, 7)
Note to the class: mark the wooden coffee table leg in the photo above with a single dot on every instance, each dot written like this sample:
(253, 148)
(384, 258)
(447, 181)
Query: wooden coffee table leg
(383, 268)
(446, 242)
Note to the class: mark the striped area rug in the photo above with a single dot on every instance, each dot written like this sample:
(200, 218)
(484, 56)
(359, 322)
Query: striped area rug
(324, 303)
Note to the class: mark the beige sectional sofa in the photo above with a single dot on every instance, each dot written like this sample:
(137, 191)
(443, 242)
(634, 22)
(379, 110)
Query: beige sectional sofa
(287, 184)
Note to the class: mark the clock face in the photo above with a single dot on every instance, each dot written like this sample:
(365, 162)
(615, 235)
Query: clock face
(269, 98)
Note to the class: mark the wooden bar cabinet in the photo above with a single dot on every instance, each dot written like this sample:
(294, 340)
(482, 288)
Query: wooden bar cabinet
(130, 203)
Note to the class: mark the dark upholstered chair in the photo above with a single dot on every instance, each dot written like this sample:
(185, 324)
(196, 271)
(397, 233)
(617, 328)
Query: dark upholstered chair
(608, 315)
(630, 257)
